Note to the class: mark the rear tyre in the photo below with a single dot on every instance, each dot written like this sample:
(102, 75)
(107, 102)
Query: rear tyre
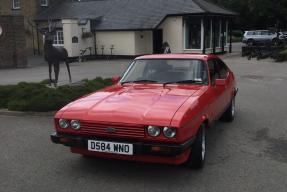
(230, 112)
(196, 157)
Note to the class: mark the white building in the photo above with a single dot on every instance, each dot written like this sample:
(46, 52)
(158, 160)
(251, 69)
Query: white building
(138, 27)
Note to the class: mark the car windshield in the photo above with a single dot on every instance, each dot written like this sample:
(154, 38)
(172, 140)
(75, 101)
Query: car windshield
(167, 71)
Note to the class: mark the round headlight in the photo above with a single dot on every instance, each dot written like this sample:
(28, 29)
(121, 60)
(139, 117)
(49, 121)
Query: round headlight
(64, 123)
(153, 131)
(169, 132)
(75, 124)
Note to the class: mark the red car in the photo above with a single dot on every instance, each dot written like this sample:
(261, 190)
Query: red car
(158, 111)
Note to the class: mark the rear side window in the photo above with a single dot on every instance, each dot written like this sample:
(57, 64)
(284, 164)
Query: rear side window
(250, 33)
(222, 69)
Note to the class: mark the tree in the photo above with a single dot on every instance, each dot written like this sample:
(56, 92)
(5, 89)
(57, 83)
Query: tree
(257, 14)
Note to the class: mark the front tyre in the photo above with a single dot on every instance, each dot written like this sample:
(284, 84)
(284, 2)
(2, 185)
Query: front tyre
(196, 157)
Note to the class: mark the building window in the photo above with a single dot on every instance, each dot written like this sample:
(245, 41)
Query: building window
(58, 39)
(16, 4)
(44, 2)
(193, 34)
(208, 34)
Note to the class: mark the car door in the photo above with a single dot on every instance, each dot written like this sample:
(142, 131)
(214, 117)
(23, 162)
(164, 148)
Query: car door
(223, 74)
(217, 91)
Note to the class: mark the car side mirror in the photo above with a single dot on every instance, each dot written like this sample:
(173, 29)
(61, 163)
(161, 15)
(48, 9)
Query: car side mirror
(116, 79)
(220, 82)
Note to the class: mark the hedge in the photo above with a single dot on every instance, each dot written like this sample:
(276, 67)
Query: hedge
(282, 56)
(37, 97)
(234, 39)
(236, 33)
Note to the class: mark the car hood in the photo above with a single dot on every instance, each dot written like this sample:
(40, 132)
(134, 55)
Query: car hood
(136, 104)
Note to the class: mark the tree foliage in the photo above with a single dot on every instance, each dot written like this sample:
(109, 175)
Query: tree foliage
(257, 14)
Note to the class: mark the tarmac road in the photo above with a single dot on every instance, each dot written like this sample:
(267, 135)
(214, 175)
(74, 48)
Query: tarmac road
(249, 154)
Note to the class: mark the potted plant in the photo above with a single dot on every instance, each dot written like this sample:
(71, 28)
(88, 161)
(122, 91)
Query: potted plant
(87, 34)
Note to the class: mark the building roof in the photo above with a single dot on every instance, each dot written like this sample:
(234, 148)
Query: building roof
(130, 14)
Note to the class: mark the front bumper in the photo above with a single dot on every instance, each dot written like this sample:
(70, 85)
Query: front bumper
(139, 147)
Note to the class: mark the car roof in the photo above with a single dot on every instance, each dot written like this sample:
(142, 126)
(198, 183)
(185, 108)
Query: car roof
(178, 56)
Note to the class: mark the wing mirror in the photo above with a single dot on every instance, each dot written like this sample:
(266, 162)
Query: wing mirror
(116, 79)
(220, 82)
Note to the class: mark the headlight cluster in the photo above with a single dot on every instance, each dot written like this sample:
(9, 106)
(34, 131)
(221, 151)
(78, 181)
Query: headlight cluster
(75, 124)
(155, 131)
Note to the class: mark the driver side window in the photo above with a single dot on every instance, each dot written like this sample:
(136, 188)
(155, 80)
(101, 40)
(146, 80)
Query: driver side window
(213, 71)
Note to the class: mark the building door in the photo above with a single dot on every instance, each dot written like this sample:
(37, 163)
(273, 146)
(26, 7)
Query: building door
(157, 41)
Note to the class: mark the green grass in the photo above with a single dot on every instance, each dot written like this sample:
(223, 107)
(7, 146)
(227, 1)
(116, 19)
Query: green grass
(37, 97)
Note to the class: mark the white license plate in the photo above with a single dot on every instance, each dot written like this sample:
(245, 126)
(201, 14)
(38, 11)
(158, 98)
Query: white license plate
(110, 147)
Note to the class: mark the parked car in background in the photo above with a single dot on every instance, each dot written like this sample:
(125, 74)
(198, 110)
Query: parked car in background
(257, 36)
(158, 111)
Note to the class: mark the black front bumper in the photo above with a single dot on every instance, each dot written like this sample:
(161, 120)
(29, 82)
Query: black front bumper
(139, 147)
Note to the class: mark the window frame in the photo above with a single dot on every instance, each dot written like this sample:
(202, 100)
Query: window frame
(16, 2)
(201, 36)
(57, 38)
(44, 5)
(218, 64)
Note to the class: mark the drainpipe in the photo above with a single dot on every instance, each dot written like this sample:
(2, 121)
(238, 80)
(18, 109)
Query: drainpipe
(95, 42)
(38, 40)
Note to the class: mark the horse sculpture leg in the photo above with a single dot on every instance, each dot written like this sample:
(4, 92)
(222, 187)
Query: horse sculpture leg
(50, 71)
(68, 67)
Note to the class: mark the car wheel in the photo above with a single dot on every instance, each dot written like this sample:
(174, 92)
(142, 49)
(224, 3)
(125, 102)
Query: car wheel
(250, 42)
(230, 112)
(196, 157)
(274, 41)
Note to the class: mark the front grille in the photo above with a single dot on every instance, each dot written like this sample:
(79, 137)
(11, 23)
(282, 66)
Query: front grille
(124, 131)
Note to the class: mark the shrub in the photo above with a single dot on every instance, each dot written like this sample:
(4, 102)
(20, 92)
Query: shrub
(236, 33)
(21, 105)
(282, 56)
(37, 97)
(5, 92)
(234, 39)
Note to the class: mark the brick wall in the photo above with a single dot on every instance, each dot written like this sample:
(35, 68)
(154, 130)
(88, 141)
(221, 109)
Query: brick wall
(12, 45)
(29, 8)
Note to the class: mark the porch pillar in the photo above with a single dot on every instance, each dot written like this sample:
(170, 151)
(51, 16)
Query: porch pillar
(213, 31)
(204, 34)
(222, 33)
(230, 41)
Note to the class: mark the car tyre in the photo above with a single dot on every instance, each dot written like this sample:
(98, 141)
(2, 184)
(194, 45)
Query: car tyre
(230, 112)
(196, 159)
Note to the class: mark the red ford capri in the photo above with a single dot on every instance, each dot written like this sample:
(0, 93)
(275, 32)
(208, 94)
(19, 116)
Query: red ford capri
(158, 111)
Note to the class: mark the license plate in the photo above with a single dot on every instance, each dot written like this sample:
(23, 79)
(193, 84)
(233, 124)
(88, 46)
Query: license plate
(110, 147)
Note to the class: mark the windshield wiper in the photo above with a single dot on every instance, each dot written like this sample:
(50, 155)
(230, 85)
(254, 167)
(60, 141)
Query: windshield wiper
(184, 81)
(139, 81)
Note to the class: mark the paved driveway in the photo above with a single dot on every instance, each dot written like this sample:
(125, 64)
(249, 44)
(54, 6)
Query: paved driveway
(248, 154)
